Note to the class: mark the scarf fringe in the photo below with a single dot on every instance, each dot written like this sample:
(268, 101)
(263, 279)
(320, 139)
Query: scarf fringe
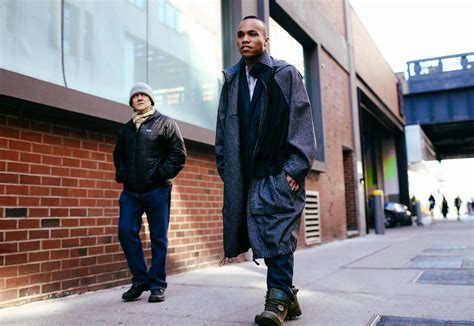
(139, 117)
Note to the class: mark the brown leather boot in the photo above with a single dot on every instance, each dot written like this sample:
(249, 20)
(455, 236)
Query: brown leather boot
(276, 309)
(294, 310)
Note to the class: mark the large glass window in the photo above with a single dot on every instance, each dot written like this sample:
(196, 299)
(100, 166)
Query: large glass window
(104, 54)
(174, 45)
(185, 58)
(30, 38)
(284, 47)
(107, 46)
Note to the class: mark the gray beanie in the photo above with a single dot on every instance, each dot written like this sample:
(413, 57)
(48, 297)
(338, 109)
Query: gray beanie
(142, 88)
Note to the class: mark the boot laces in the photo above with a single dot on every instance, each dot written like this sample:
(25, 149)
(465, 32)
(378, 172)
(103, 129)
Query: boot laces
(274, 305)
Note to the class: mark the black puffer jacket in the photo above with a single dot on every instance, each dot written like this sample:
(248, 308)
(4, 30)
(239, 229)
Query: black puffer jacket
(150, 156)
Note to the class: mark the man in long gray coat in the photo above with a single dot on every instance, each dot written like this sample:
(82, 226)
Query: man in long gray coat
(265, 147)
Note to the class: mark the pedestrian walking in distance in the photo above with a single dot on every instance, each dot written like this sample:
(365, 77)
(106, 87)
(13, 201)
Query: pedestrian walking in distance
(457, 203)
(149, 152)
(265, 147)
(432, 201)
(444, 208)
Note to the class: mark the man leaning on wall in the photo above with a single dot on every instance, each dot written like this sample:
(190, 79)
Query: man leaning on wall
(149, 152)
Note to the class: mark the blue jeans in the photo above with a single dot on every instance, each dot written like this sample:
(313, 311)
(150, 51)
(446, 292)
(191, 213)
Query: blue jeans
(156, 205)
(280, 273)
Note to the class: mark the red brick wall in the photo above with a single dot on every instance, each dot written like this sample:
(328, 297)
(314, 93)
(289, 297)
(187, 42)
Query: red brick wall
(338, 135)
(195, 235)
(350, 190)
(59, 211)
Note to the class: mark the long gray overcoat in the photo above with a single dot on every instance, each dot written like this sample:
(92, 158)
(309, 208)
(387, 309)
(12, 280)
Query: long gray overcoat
(273, 210)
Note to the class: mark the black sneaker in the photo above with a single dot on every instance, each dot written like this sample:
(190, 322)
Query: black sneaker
(134, 292)
(157, 295)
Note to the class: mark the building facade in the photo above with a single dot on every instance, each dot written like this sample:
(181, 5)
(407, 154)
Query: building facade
(64, 82)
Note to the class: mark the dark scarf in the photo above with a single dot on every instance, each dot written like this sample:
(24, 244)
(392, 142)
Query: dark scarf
(272, 147)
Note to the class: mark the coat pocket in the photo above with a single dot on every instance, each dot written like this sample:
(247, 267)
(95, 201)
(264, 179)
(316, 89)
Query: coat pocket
(152, 170)
(272, 195)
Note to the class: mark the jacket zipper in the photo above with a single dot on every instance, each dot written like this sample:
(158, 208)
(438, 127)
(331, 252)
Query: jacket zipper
(137, 138)
(137, 142)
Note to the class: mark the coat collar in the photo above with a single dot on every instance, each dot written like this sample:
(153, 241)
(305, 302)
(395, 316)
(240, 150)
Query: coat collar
(233, 71)
(153, 116)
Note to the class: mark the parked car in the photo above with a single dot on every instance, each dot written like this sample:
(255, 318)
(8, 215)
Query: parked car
(396, 213)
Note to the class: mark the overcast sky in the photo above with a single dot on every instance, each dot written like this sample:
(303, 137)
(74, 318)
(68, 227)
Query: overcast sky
(407, 30)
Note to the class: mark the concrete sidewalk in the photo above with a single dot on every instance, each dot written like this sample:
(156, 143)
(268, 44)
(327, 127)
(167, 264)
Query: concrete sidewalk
(419, 272)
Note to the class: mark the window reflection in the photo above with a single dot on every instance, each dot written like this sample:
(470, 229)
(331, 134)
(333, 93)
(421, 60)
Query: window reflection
(30, 38)
(284, 47)
(140, 4)
(71, 33)
(174, 45)
(184, 58)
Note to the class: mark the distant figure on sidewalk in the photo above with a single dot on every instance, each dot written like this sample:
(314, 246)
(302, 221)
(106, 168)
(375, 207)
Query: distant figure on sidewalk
(432, 201)
(457, 203)
(470, 206)
(265, 147)
(149, 153)
(444, 208)
(413, 205)
(415, 209)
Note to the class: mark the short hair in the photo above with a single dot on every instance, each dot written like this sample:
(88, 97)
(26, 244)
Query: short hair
(253, 17)
(259, 19)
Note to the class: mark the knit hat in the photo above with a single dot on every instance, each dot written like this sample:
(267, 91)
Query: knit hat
(142, 88)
